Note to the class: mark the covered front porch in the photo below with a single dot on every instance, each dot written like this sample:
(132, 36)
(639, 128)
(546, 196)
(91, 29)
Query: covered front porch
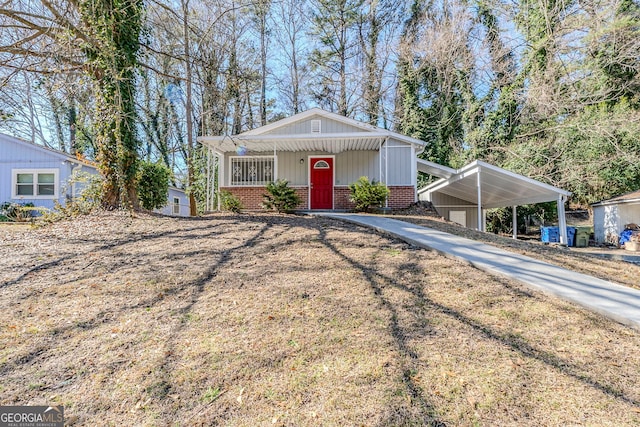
(319, 167)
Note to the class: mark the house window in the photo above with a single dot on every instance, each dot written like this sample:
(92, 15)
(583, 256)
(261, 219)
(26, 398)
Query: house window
(35, 184)
(321, 164)
(252, 170)
(176, 206)
(316, 126)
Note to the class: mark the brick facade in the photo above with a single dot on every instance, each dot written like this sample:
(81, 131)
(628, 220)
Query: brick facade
(252, 197)
(401, 196)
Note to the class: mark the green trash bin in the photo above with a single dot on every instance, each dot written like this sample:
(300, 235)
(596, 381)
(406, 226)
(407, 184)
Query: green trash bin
(582, 236)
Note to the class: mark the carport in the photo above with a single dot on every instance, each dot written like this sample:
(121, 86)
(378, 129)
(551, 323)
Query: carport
(485, 186)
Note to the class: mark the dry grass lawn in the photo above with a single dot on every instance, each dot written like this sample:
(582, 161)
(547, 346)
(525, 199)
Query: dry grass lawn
(266, 320)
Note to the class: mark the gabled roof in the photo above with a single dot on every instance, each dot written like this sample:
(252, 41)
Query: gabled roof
(498, 187)
(632, 197)
(50, 151)
(263, 139)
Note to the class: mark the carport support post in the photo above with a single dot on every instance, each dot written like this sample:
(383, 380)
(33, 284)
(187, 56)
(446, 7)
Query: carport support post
(480, 216)
(562, 220)
(515, 222)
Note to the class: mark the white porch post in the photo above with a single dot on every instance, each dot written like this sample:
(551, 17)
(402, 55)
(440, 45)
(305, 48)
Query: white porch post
(380, 159)
(562, 220)
(414, 173)
(208, 188)
(221, 172)
(515, 222)
(480, 214)
(275, 162)
(386, 168)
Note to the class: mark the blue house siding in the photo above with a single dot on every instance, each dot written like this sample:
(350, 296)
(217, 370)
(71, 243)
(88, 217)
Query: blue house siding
(18, 157)
(24, 158)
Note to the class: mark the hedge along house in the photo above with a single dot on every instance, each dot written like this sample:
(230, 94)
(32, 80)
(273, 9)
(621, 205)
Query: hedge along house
(31, 173)
(319, 153)
(463, 195)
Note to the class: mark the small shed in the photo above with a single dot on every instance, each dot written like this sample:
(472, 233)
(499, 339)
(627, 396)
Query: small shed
(611, 216)
(319, 153)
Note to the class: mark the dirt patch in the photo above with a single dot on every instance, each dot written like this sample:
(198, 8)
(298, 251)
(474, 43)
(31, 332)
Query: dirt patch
(248, 320)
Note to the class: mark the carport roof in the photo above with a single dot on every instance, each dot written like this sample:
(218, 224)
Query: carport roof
(496, 187)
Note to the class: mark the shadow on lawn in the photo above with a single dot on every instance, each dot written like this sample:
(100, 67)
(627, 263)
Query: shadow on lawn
(378, 281)
(191, 292)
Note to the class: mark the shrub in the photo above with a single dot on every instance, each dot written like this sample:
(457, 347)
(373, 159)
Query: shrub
(18, 212)
(230, 202)
(281, 197)
(153, 185)
(88, 196)
(368, 194)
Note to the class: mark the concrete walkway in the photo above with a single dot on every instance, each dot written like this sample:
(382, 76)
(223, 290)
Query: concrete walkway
(618, 302)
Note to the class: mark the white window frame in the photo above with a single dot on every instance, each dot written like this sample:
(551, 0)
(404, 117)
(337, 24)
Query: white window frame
(35, 173)
(257, 183)
(176, 205)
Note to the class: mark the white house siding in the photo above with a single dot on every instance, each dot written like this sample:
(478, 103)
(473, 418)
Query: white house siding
(445, 205)
(304, 127)
(609, 220)
(181, 209)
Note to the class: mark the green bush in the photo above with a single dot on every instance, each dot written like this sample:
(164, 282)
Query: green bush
(281, 197)
(153, 185)
(368, 194)
(230, 202)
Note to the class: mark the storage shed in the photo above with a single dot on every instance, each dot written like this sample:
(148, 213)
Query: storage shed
(610, 216)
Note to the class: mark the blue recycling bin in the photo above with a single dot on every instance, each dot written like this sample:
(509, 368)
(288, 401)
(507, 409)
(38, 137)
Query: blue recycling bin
(552, 235)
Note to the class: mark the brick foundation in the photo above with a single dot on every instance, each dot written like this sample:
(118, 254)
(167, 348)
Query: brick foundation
(401, 197)
(252, 197)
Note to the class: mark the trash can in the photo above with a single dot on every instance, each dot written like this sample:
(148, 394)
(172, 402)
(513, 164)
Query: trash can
(571, 236)
(582, 236)
(552, 235)
(549, 234)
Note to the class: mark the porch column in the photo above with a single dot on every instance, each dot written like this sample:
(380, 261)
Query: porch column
(515, 222)
(380, 159)
(562, 220)
(221, 172)
(209, 186)
(480, 215)
(386, 168)
(275, 162)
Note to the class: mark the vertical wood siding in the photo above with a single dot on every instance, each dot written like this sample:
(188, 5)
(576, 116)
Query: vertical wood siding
(304, 127)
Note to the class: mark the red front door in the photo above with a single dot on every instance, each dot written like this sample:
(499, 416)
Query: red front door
(321, 182)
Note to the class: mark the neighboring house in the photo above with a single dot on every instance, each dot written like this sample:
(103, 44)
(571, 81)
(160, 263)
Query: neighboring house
(319, 153)
(31, 173)
(177, 203)
(610, 216)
